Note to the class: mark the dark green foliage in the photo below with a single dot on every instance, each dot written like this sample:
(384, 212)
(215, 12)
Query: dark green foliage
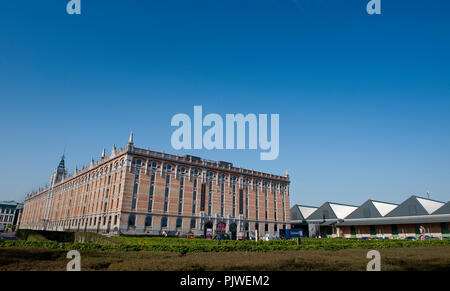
(183, 246)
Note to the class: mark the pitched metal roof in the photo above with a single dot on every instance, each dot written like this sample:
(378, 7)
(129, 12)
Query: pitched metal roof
(301, 212)
(371, 209)
(443, 210)
(415, 206)
(333, 211)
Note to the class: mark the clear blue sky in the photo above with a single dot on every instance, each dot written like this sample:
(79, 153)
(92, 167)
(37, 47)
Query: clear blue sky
(364, 101)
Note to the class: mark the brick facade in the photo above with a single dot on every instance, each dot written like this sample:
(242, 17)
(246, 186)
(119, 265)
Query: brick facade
(138, 191)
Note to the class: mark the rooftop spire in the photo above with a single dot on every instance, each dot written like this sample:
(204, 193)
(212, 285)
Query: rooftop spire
(103, 153)
(113, 150)
(130, 140)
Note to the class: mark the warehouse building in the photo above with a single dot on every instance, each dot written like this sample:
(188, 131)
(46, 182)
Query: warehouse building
(413, 218)
(137, 191)
(299, 214)
(323, 221)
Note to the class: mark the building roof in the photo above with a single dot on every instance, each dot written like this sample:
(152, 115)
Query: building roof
(331, 210)
(301, 212)
(415, 206)
(10, 203)
(443, 210)
(371, 209)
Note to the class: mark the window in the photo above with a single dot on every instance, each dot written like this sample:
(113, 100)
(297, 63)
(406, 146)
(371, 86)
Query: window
(154, 165)
(168, 179)
(131, 220)
(352, 230)
(444, 228)
(164, 222)
(148, 220)
(193, 224)
(152, 188)
(241, 201)
(266, 227)
(394, 229)
(202, 197)
(168, 167)
(179, 222)
(135, 189)
(166, 192)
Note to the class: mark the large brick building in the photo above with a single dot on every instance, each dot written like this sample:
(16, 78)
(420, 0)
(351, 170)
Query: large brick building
(139, 191)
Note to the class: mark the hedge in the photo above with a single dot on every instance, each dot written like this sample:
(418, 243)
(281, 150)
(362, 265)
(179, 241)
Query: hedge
(198, 245)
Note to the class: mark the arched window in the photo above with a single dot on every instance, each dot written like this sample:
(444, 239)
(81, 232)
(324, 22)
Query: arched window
(154, 165)
(182, 170)
(196, 171)
(211, 174)
(234, 178)
(169, 167)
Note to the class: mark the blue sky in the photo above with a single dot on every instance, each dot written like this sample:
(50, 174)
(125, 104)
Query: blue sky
(364, 101)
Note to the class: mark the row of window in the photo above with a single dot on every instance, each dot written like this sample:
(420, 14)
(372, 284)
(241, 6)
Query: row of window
(7, 210)
(169, 168)
(149, 221)
(81, 222)
(202, 198)
(193, 222)
(6, 218)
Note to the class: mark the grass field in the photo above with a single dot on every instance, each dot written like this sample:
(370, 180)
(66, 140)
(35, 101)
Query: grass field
(395, 259)
(40, 251)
